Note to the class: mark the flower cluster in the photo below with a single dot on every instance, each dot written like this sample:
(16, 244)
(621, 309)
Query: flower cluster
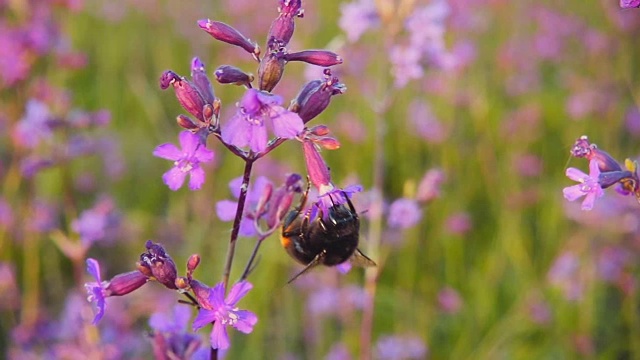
(604, 171)
(260, 123)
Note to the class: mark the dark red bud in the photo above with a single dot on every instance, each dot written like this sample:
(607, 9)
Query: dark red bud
(193, 262)
(225, 33)
(328, 143)
(160, 264)
(186, 123)
(123, 284)
(320, 130)
(227, 74)
(315, 57)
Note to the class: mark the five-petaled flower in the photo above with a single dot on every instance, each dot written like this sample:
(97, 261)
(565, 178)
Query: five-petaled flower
(186, 161)
(258, 110)
(223, 312)
(588, 185)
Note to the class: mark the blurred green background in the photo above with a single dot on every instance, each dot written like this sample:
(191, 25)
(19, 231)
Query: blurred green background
(543, 74)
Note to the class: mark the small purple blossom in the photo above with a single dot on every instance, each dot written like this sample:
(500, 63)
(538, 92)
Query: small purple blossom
(256, 112)
(223, 312)
(97, 223)
(588, 186)
(625, 4)
(395, 347)
(96, 290)
(186, 161)
(357, 17)
(404, 213)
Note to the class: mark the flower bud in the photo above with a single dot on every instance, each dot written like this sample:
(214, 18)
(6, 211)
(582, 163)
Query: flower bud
(201, 80)
(187, 93)
(323, 58)
(606, 179)
(315, 96)
(201, 293)
(123, 284)
(271, 70)
(327, 142)
(193, 262)
(185, 122)
(283, 26)
(225, 33)
(182, 283)
(582, 148)
(227, 74)
(320, 130)
(316, 167)
(160, 264)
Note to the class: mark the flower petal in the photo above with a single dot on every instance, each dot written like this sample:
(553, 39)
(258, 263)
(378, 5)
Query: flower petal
(203, 154)
(219, 337)
(286, 124)
(588, 202)
(168, 151)
(196, 179)
(258, 138)
(226, 209)
(238, 291)
(174, 178)
(216, 296)
(203, 318)
(189, 142)
(594, 169)
(573, 193)
(236, 131)
(93, 268)
(246, 321)
(575, 174)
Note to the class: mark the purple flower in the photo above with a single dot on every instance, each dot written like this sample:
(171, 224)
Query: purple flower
(404, 213)
(226, 209)
(96, 290)
(629, 4)
(97, 223)
(35, 126)
(588, 186)
(394, 347)
(170, 339)
(186, 161)
(223, 312)
(257, 111)
(357, 17)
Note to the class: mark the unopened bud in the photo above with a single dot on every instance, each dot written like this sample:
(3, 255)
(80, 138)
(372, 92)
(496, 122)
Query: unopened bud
(582, 148)
(225, 33)
(327, 142)
(186, 92)
(182, 283)
(315, 96)
(186, 122)
(606, 179)
(123, 284)
(323, 58)
(320, 130)
(283, 26)
(271, 70)
(265, 196)
(227, 74)
(201, 80)
(192, 263)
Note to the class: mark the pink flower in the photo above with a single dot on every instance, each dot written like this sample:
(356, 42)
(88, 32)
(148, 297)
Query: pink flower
(588, 185)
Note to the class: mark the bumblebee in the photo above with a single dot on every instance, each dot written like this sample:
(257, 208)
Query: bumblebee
(326, 240)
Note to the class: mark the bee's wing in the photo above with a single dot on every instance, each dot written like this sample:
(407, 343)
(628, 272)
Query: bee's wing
(360, 259)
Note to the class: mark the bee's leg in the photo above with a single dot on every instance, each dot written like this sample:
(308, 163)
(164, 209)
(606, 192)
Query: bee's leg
(351, 207)
(315, 262)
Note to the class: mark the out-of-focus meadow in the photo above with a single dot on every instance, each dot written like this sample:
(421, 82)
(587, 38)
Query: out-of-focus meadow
(462, 156)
